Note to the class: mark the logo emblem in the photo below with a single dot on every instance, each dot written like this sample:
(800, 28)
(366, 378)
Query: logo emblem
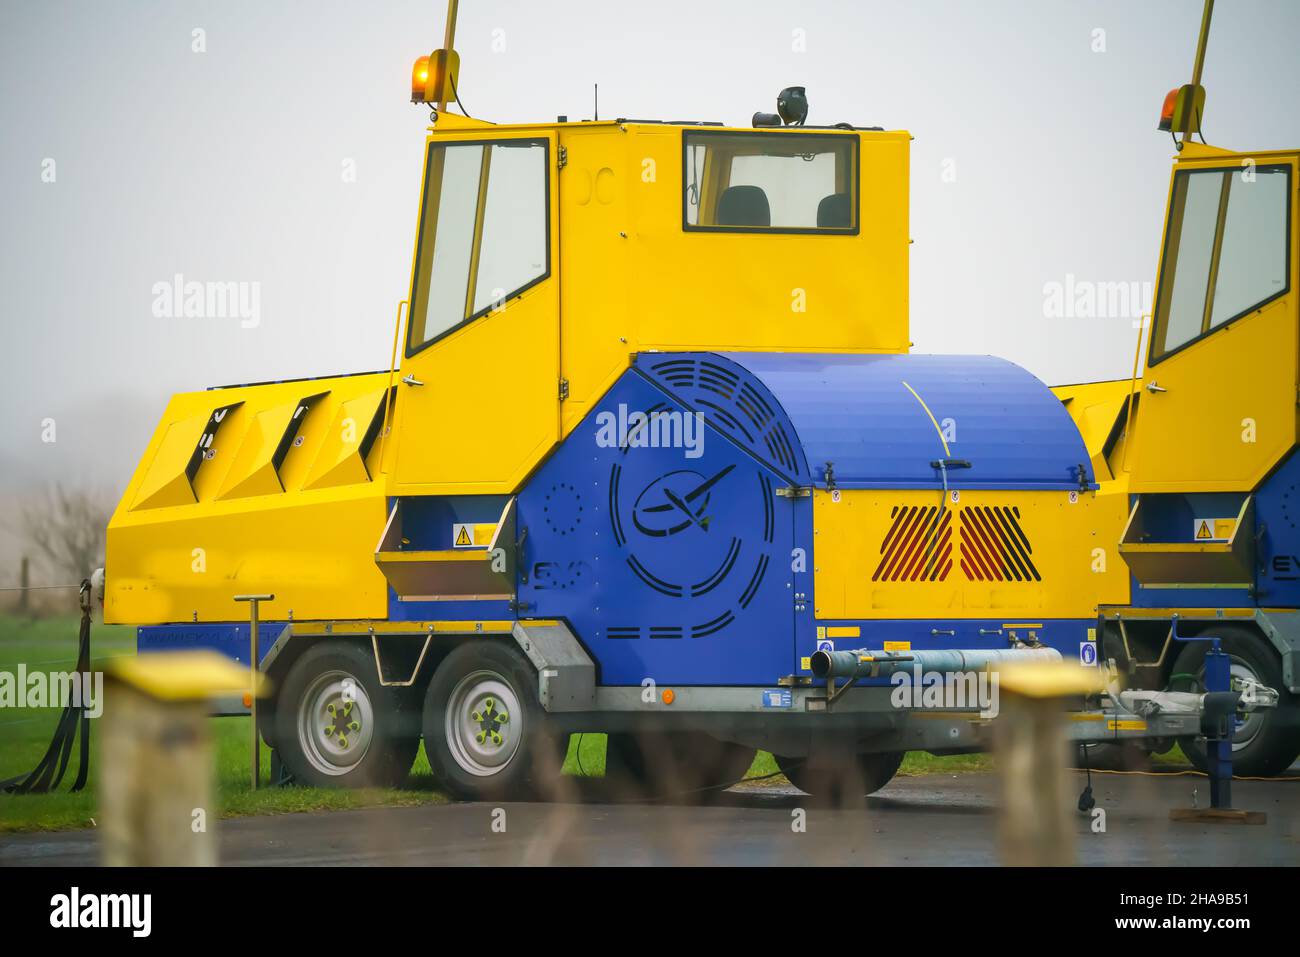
(675, 502)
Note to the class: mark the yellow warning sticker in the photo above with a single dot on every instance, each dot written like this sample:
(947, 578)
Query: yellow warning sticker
(1213, 529)
(898, 646)
(1125, 725)
(462, 536)
(805, 663)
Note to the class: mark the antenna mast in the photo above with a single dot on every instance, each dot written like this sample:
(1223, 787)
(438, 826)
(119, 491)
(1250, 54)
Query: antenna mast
(448, 42)
(1199, 64)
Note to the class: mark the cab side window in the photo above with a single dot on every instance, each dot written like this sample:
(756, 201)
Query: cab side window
(1225, 251)
(484, 233)
(788, 182)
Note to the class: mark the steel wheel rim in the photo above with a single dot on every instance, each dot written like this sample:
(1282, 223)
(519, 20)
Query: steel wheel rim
(336, 723)
(1249, 727)
(483, 724)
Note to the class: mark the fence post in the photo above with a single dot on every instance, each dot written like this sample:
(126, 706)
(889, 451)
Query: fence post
(24, 583)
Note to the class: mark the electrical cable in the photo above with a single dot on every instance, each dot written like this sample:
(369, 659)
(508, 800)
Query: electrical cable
(456, 96)
(1191, 772)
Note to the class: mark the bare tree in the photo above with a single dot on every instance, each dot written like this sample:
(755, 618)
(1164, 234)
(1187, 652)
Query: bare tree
(66, 529)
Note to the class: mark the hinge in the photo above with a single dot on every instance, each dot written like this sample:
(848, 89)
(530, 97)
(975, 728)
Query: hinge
(562, 157)
(564, 389)
(793, 491)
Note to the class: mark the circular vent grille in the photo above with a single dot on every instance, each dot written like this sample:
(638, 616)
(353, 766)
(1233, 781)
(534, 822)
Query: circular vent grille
(563, 509)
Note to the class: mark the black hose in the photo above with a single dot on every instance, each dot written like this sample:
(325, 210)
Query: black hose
(47, 775)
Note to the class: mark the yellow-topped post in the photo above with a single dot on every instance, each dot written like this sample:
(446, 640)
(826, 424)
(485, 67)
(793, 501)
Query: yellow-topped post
(156, 793)
(1036, 826)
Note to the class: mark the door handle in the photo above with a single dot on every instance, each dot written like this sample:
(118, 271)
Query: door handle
(1153, 388)
(410, 379)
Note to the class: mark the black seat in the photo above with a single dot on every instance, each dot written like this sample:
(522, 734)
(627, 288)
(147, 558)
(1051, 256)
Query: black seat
(834, 212)
(744, 206)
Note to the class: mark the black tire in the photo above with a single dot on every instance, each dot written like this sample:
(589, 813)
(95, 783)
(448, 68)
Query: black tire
(377, 752)
(1269, 741)
(846, 781)
(691, 766)
(493, 680)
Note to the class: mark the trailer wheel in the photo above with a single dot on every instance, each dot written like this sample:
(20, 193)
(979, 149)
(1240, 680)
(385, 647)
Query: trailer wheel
(484, 730)
(844, 782)
(1266, 742)
(687, 765)
(337, 726)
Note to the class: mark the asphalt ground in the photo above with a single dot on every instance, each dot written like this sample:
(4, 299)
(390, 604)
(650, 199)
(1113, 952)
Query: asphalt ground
(927, 820)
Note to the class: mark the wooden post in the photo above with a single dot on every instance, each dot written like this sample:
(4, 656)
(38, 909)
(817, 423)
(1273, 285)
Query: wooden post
(1036, 823)
(1035, 826)
(24, 583)
(157, 801)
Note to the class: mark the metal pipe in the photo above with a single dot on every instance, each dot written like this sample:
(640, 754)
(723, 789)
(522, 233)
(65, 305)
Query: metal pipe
(865, 663)
(253, 663)
(390, 400)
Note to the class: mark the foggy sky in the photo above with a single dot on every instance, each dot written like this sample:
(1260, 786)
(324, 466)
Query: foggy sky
(227, 165)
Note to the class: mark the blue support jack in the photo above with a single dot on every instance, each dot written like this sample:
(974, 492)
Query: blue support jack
(1218, 725)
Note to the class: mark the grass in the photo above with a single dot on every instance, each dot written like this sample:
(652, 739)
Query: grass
(51, 644)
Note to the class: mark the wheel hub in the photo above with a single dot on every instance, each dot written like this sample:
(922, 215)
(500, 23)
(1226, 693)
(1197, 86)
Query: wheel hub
(336, 722)
(344, 724)
(483, 723)
(491, 720)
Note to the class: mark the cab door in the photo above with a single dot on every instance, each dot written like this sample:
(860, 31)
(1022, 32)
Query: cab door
(1218, 409)
(478, 402)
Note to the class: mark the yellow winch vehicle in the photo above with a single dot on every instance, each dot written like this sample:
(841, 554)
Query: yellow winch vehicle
(1199, 449)
(655, 461)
